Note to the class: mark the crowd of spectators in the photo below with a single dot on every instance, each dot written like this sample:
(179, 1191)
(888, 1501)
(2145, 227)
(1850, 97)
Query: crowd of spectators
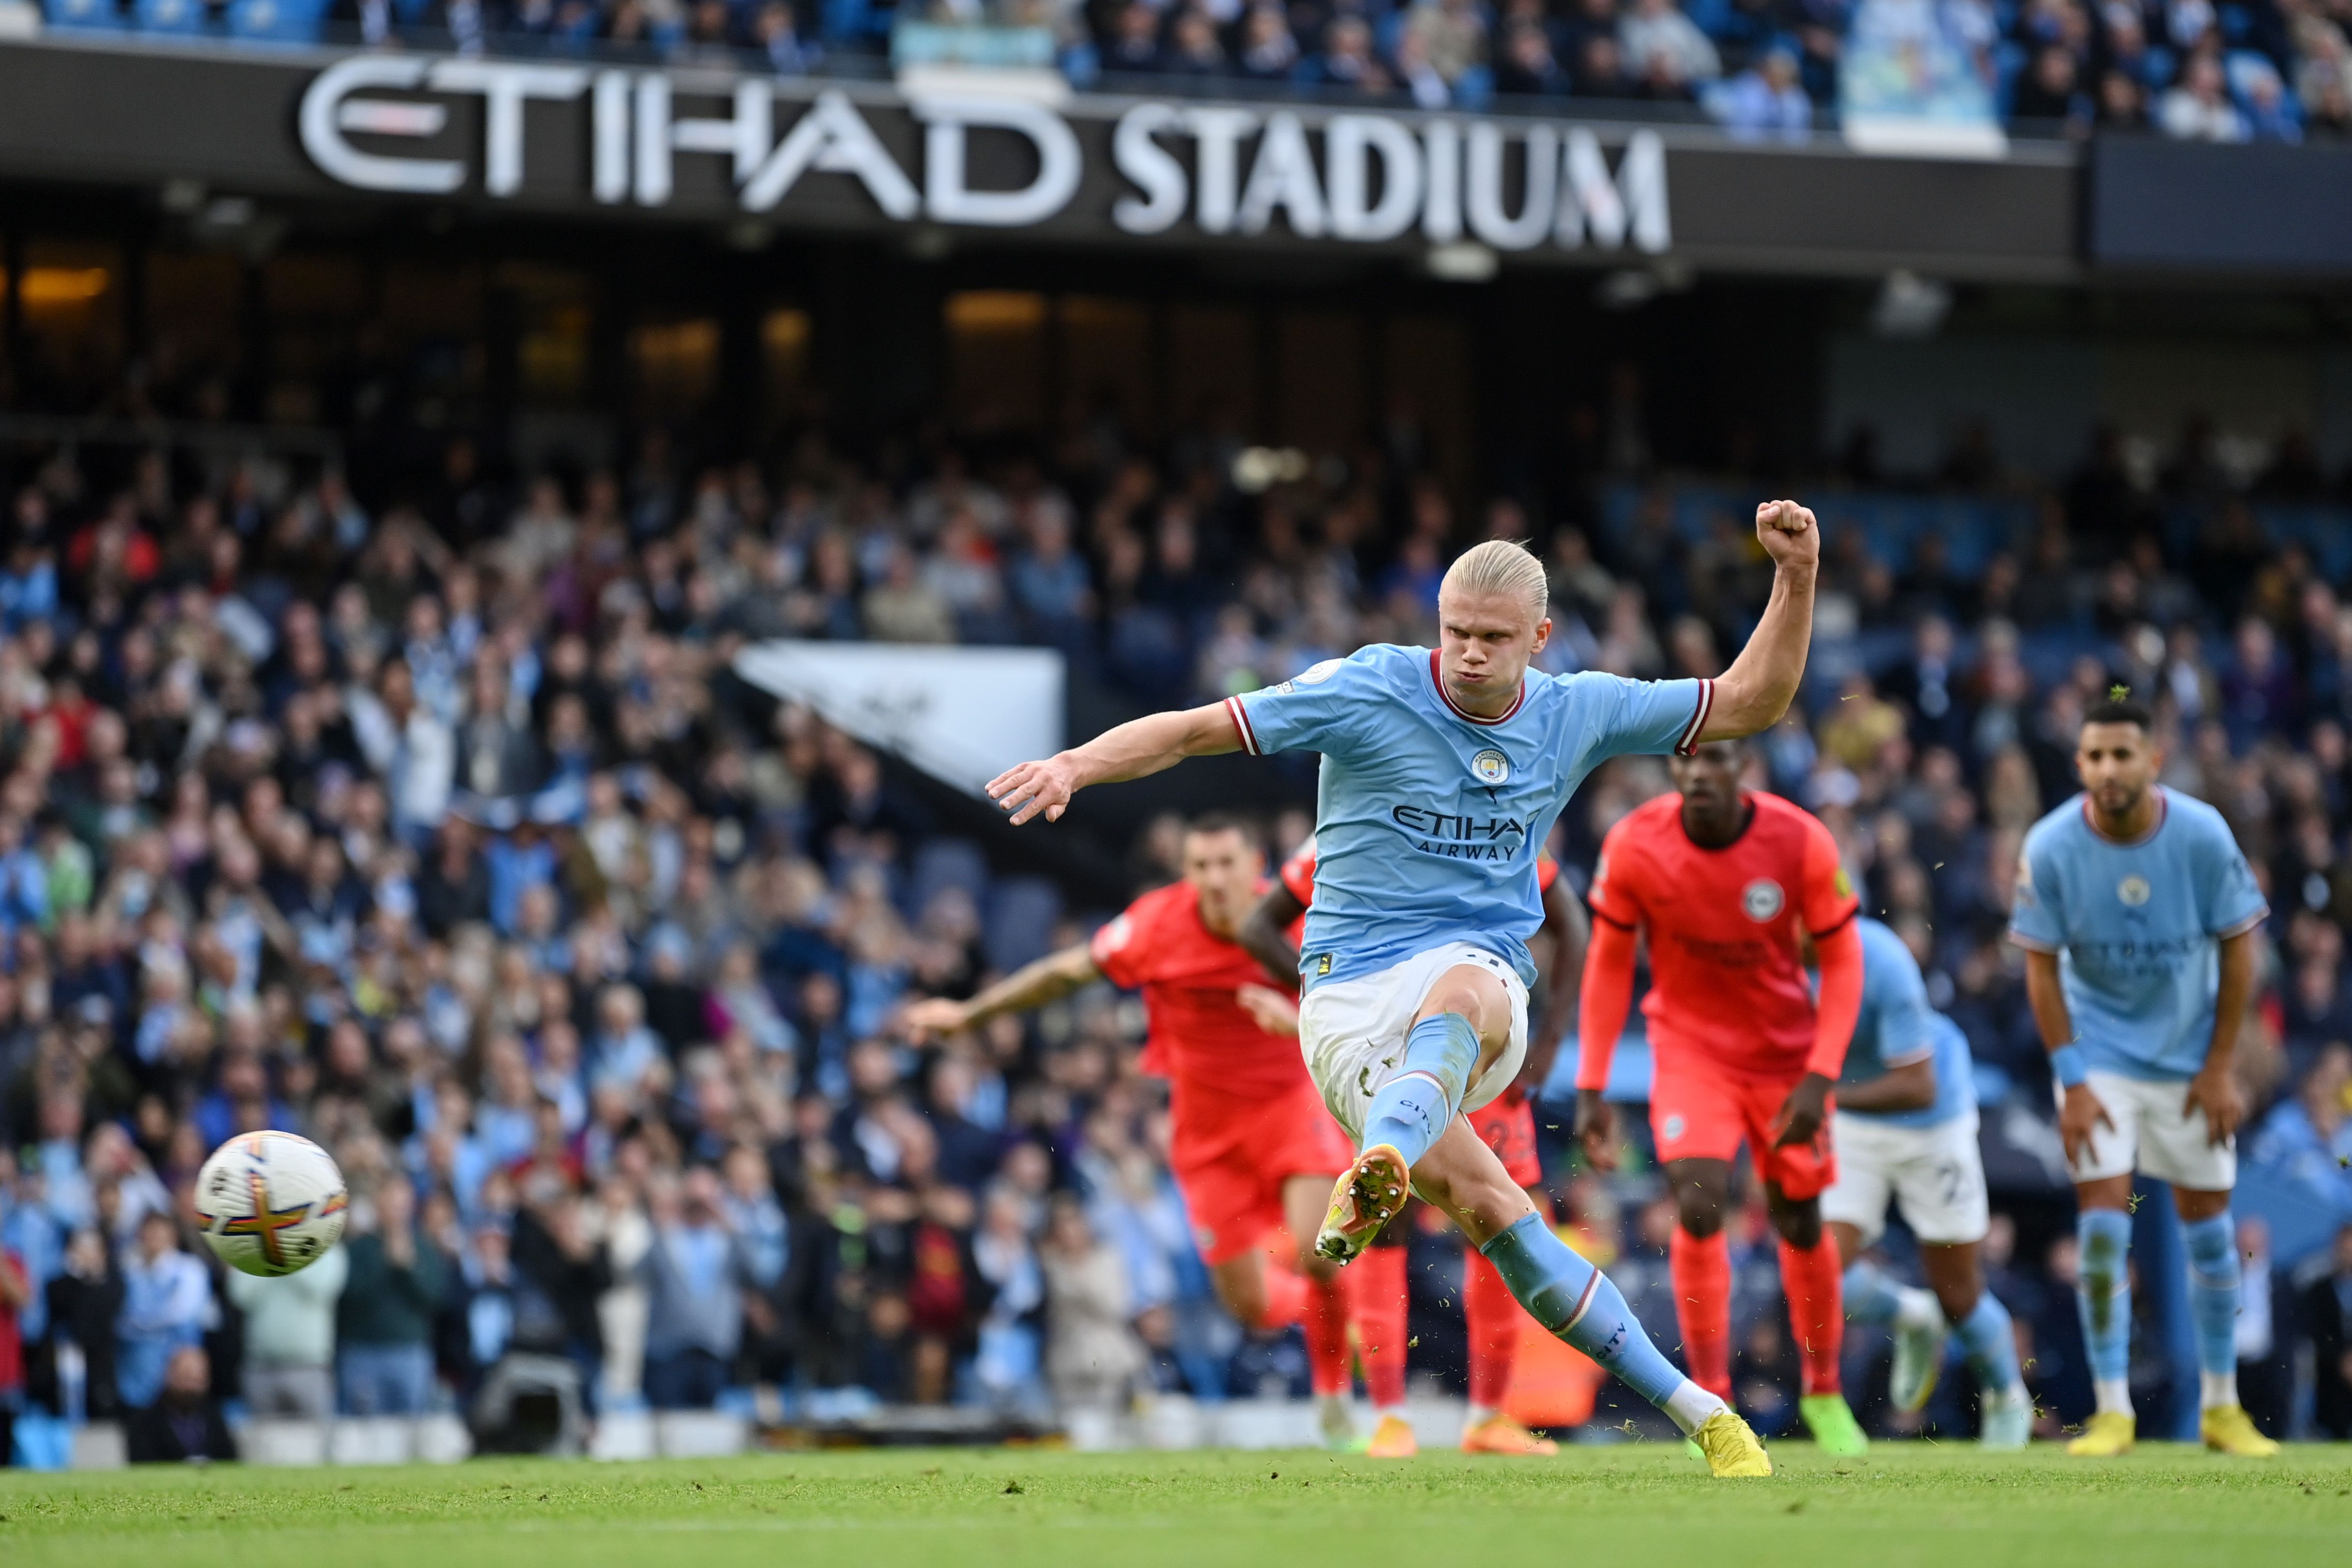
(2240, 70)
(431, 823)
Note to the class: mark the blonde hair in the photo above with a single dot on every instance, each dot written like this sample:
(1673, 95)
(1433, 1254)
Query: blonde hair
(1504, 567)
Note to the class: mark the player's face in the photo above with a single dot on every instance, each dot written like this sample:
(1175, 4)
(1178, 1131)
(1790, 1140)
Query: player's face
(1709, 777)
(1223, 868)
(1486, 641)
(2117, 763)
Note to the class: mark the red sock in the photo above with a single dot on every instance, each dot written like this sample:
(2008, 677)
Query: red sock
(1379, 1293)
(1285, 1295)
(1492, 1314)
(1326, 1322)
(1809, 1278)
(1702, 1274)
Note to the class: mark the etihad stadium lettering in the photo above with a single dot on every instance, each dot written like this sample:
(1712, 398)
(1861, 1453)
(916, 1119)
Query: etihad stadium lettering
(385, 123)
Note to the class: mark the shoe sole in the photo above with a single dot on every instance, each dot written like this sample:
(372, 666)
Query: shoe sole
(1376, 1184)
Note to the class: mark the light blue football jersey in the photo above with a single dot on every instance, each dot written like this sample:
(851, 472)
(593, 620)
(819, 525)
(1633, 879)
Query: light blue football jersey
(1428, 819)
(1897, 1028)
(2136, 929)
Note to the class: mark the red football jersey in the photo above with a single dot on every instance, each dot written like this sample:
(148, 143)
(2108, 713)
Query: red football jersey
(1298, 874)
(1727, 978)
(1202, 1039)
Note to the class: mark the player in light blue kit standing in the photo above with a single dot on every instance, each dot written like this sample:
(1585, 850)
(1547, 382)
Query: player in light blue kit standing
(1443, 772)
(2137, 913)
(1906, 1130)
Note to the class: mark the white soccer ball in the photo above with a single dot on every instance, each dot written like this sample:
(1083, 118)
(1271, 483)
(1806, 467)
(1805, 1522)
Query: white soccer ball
(271, 1203)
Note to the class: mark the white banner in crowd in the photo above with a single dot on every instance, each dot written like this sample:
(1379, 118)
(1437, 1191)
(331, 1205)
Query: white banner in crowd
(960, 714)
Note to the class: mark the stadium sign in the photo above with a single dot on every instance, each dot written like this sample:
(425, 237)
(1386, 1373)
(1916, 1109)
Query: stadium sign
(1036, 164)
(379, 124)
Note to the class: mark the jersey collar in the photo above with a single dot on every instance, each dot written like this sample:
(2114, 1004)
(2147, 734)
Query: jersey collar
(1437, 678)
(2163, 810)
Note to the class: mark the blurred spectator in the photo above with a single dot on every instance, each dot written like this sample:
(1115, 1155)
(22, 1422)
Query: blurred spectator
(289, 1337)
(1450, 35)
(16, 1295)
(1764, 102)
(696, 1272)
(2328, 1317)
(1665, 48)
(184, 1424)
(395, 1286)
(2199, 108)
(2052, 88)
(167, 1304)
(1528, 65)
(1092, 1355)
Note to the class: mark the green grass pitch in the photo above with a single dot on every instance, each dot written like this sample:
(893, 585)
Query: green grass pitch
(1913, 1503)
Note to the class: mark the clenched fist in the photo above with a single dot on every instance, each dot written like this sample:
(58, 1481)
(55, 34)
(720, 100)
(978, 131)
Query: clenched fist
(1788, 533)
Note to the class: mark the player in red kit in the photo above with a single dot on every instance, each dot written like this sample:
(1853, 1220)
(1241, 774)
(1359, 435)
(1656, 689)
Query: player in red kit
(1731, 886)
(1255, 1150)
(1508, 1124)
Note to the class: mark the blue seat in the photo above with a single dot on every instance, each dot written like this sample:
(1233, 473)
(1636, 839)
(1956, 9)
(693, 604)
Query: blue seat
(184, 18)
(943, 863)
(1022, 912)
(82, 16)
(276, 21)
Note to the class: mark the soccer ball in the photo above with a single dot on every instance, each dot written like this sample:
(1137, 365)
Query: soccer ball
(271, 1203)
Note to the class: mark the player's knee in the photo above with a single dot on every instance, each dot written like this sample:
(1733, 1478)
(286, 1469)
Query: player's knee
(1243, 1291)
(1798, 1220)
(1699, 1206)
(2194, 1205)
(1479, 997)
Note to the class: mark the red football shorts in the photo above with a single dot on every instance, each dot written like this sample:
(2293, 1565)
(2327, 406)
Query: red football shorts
(1231, 1157)
(1508, 1124)
(1702, 1112)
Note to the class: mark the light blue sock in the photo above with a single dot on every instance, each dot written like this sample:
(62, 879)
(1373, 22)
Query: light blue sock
(1412, 1108)
(1991, 1346)
(1870, 1295)
(1576, 1303)
(2213, 1293)
(2104, 1294)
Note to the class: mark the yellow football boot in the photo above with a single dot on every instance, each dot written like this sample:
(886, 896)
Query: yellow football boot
(1369, 1195)
(2106, 1435)
(1730, 1448)
(2228, 1429)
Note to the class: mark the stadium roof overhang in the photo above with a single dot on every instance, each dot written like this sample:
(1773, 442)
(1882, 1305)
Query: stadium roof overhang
(1009, 160)
(1018, 160)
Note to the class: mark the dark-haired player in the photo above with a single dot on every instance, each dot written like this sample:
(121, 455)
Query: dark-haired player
(1731, 886)
(1252, 1149)
(2136, 913)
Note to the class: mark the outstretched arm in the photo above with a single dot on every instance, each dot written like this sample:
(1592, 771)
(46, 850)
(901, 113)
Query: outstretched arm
(1130, 751)
(1265, 933)
(1031, 985)
(1756, 690)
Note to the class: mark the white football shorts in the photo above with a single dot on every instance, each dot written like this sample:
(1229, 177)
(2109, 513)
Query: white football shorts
(1933, 1173)
(2154, 1134)
(1352, 1032)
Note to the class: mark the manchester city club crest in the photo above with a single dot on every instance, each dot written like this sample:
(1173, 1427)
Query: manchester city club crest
(1761, 898)
(1491, 766)
(2133, 891)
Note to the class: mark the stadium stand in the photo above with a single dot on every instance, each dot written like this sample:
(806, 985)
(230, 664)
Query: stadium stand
(423, 820)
